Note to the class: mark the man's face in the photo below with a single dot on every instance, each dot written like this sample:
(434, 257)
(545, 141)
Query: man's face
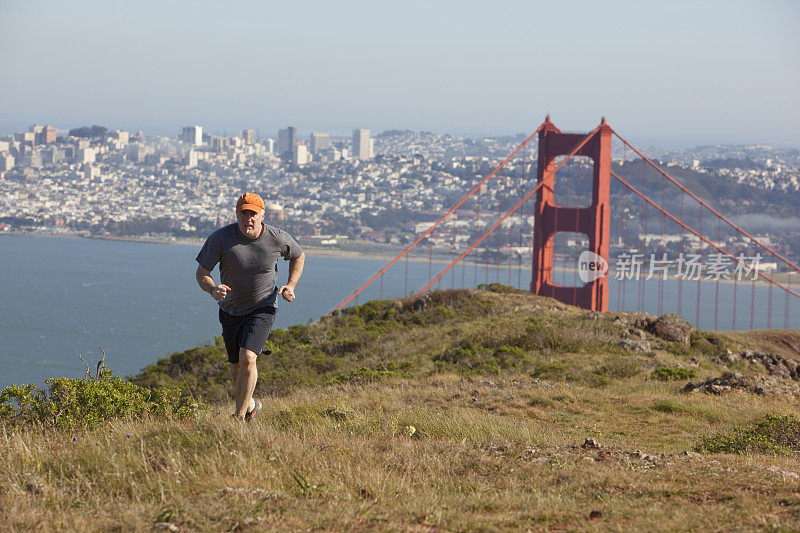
(250, 222)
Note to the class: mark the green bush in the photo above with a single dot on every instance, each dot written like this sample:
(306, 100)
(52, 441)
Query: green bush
(673, 373)
(201, 371)
(773, 434)
(470, 359)
(548, 370)
(708, 344)
(91, 402)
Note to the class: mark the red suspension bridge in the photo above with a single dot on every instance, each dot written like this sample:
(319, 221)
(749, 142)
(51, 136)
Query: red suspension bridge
(698, 269)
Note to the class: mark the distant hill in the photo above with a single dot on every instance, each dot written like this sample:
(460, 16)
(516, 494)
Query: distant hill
(88, 132)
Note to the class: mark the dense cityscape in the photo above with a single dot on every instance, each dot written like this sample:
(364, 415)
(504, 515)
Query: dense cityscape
(330, 190)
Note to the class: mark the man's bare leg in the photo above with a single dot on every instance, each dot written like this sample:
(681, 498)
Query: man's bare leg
(234, 375)
(245, 381)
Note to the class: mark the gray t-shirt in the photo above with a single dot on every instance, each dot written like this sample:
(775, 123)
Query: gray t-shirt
(247, 266)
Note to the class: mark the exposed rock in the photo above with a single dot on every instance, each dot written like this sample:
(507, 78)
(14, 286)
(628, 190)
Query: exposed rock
(590, 444)
(673, 328)
(632, 333)
(419, 303)
(736, 381)
(638, 454)
(635, 346)
(34, 486)
(730, 357)
(636, 320)
(724, 384)
(776, 365)
(165, 526)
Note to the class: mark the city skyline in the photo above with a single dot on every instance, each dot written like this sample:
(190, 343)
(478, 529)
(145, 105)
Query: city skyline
(677, 74)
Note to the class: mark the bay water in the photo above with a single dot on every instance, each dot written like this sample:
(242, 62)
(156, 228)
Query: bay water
(64, 297)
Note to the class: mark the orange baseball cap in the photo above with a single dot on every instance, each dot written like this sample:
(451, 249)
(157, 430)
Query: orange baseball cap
(250, 201)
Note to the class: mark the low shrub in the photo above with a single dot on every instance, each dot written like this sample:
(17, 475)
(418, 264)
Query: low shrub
(91, 402)
(773, 434)
(708, 343)
(673, 373)
(470, 359)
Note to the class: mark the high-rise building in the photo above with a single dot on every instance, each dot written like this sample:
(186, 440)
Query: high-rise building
(85, 155)
(249, 136)
(90, 172)
(287, 139)
(6, 162)
(300, 155)
(192, 135)
(320, 141)
(52, 156)
(25, 137)
(44, 134)
(361, 144)
(122, 137)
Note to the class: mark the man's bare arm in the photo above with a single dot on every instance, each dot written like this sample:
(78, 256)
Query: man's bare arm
(295, 271)
(206, 282)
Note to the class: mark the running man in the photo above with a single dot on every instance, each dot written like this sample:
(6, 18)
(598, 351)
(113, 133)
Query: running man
(247, 253)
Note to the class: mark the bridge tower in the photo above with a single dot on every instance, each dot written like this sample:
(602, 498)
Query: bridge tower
(593, 221)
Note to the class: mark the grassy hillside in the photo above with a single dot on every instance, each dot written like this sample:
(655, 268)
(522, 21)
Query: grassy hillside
(461, 411)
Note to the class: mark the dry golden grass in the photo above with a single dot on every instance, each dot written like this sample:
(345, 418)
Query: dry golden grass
(502, 389)
(499, 453)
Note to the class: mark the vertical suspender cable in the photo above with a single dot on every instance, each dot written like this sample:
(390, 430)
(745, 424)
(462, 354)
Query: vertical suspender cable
(700, 275)
(769, 305)
(716, 287)
(663, 232)
(640, 305)
(752, 300)
(680, 276)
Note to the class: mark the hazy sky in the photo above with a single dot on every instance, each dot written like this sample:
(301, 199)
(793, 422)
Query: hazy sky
(672, 72)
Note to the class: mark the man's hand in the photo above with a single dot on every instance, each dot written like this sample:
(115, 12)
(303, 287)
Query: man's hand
(220, 292)
(295, 271)
(287, 293)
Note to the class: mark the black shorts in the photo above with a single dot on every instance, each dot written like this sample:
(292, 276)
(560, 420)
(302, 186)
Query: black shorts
(248, 331)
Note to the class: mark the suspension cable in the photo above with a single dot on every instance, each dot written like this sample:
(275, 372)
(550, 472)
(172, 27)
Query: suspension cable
(684, 189)
(665, 212)
(429, 230)
(574, 151)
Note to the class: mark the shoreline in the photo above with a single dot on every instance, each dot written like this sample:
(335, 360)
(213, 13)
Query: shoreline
(379, 255)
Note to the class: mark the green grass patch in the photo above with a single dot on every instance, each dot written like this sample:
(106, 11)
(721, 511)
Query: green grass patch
(709, 344)
(773, 434)
(669, 406)
(673, 373)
